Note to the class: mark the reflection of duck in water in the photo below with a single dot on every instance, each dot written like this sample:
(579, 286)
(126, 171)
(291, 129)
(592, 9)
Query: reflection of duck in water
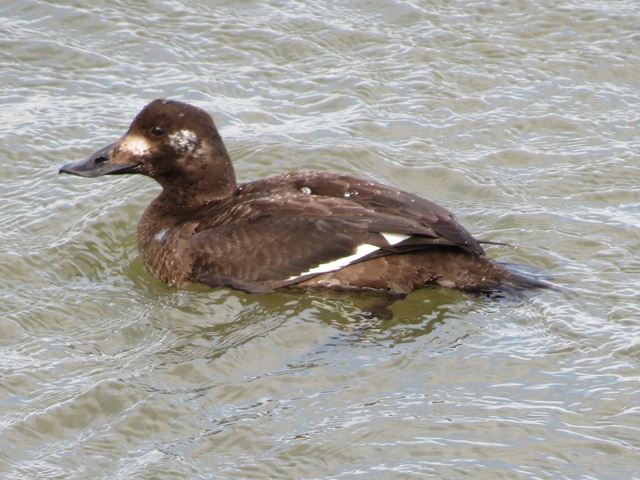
(305, 230)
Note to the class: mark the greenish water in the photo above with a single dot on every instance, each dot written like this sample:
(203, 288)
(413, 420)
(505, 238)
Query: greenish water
(521, 117)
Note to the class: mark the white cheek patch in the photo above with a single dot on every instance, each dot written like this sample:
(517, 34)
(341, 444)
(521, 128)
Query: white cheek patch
(135, 145)
(183, 141)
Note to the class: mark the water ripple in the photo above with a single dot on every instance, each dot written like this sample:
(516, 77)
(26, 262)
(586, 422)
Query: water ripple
(521, 117)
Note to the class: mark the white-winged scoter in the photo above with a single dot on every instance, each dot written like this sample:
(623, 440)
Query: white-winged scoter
(305, 230)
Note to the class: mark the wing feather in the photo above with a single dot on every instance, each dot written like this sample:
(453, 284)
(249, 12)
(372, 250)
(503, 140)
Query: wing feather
(283, 228)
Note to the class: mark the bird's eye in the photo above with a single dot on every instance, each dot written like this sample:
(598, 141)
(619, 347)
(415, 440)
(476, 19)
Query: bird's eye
(157, 131)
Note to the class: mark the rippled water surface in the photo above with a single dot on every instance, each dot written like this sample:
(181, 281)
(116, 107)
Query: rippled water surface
(521, 117)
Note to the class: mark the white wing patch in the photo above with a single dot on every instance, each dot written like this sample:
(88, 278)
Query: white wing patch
(362, 251)
(394, 238)
(135, 145)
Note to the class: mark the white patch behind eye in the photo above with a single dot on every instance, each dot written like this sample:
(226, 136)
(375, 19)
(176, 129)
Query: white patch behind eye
(183, 140)
(135, 145)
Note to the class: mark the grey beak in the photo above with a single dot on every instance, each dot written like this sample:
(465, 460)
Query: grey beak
(99, 164)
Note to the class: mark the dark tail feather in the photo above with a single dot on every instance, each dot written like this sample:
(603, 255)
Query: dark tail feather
(502, 244)
(519, 279)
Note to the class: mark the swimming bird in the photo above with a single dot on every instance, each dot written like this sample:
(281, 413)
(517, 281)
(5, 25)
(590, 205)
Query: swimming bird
(296, 230)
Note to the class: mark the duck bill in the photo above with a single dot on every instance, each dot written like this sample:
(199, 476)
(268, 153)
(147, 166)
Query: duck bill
(100, 164)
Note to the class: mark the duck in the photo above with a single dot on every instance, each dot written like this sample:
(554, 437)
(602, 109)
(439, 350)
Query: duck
(298, 230)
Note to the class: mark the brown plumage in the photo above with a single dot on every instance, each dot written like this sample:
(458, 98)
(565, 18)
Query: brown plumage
(305, 230)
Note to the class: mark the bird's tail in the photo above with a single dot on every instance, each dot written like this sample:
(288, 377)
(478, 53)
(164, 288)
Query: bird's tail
(520, 278)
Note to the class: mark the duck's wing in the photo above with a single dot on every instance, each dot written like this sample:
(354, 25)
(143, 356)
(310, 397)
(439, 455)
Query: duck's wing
(285, 238)
(270, 253)
(441, 224)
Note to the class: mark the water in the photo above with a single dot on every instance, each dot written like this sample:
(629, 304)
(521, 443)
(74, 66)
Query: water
(522, 117)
